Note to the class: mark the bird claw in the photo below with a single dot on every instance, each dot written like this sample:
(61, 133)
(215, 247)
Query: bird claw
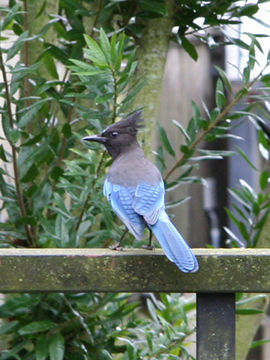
(148, 247)
(117, 247)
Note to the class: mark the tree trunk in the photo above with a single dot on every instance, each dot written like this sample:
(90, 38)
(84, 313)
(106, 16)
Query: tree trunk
(35, 20)
(152, 52)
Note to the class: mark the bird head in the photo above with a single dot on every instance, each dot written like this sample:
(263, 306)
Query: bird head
(120, 136)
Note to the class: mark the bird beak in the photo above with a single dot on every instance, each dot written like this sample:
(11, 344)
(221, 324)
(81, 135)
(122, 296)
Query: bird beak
(96, 138)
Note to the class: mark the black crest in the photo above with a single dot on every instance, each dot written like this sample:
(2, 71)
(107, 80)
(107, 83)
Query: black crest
(131, 124)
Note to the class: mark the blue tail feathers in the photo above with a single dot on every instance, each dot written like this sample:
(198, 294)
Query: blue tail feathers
(174, 245)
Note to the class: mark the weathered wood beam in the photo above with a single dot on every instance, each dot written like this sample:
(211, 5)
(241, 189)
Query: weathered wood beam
(215, 326)
(132, 270)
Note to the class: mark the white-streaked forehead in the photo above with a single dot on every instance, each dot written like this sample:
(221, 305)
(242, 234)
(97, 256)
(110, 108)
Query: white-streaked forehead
(103, 132)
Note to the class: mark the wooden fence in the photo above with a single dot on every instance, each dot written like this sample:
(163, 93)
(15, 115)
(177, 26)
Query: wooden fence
(223, 272)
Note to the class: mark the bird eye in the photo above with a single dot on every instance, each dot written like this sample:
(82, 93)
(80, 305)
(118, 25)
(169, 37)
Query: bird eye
(114, 133)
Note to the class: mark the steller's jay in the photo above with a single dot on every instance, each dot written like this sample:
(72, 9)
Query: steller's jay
(135, 189)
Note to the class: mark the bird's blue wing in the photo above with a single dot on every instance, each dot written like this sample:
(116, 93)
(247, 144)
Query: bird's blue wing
(149, 201)
(121, 199)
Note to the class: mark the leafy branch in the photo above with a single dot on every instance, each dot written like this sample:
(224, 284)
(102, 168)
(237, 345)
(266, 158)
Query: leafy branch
(106, 59)
(189, 149)
(28, 231)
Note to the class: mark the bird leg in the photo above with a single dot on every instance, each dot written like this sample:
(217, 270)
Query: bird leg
(149, 246)
(118, 246)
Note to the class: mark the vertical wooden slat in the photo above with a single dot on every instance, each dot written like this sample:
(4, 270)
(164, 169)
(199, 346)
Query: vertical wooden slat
(216, 326)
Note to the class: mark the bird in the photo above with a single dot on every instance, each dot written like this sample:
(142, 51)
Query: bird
(135, 189)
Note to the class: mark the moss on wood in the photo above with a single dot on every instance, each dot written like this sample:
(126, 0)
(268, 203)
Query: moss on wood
(133, 270)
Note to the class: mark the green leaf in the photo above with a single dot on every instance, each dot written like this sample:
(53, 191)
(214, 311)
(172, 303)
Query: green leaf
(95, 53)
(248, 10)
(224, 78)
(182, 129)
(14, 136)
(249, 299)
(42, 348)
(165, 141)
(196, 122)
(152, 310)
(28, 220)
(246, 74)
(154, 6)
(220, 96)
(84, 69)
(105, 45)
(243, 230)
(119, 50)
(244, 156)
(32, 112)
(233, 236)
(259, 343)
(263, 139)
(56, 173)
(241, 43)
(16, 47)
(58, 53)
(11, 13)
(66, 130)
(57, 347)
(249, 311)
(8, 327)
(35, 139)
(173, 204)
(264, 179)
(42, 197)
(106, 355)
(36, 327)
(190, 48)
(131, 95)
(265, 78)
(104, 98)
(50, 65)
(113, 47)
(3, 154)
(31, 174)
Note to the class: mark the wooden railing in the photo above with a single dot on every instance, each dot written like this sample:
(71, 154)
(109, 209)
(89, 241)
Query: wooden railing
(223, 272)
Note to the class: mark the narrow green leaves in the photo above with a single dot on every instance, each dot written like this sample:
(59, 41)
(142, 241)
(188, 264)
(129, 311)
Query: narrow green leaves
(36, 327)
(57, 347)
(182, 129)
(165, 141)
(3, 154)
(264, 177)
(190, 48)
(106, 54)
(17, 45)
(42, 347)
(220, 95)
(95, 53)
(31, 112)
(106, 58)
(224, 78)
(105, 46)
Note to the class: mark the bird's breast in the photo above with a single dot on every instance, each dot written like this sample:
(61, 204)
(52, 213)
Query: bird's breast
(133, 171)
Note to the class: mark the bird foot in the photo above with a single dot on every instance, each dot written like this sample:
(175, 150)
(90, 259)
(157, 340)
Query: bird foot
(148, 247)
(117, 247)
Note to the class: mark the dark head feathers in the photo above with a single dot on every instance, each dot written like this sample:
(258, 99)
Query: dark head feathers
(131, 124)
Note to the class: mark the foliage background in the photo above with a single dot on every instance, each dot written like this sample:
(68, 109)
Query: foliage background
(77, 67)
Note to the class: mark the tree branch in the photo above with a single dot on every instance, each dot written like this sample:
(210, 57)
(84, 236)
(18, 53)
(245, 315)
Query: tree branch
(19, 192)
(219, 118)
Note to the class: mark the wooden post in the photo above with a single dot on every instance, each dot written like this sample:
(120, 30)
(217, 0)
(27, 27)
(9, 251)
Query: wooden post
(215, 326)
